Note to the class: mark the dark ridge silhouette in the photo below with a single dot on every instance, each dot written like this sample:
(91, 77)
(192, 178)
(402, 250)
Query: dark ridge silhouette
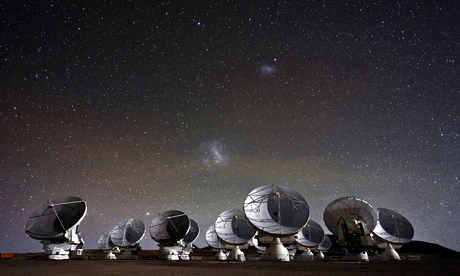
(412, 247)
(421, 247)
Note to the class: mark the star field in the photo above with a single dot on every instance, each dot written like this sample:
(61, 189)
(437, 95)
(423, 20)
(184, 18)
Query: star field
(139, 108)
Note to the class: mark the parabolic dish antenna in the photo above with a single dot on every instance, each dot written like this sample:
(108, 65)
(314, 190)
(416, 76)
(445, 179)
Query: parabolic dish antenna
(276, 210)
(392, 227)
(311, 235)
(255, 242)
(352, 220)
(213, 239)
(325, 244)
(169, 227)
(105, 243)
(192, 233)
(233, 227)
(52, 220)
(349, 209)
(128, 233)
(216, 243)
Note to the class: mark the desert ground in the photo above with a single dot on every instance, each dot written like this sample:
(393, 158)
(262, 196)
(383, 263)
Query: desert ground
(92, 262)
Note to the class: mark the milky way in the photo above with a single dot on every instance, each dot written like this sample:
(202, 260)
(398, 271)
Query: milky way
(139, 108)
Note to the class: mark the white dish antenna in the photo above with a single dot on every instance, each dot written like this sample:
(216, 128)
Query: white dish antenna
(105, 243)
(255, 242)
(56, 225)
(325, 244)
(278, 213)
(169, 227)
(216, 243)
(276, 210)
(352, 220)
(192, 233)
(393, 228)
(311, 235)
(128, 233)
(54, 219)
(347, 210)
(213, 239)
(233, 227)
(392, 231)
(323, 247)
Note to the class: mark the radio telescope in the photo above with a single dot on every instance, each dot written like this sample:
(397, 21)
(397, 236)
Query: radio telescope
(234, 229)
(169, 229)
(392, 231)
(216, 243)
(106, 244)
(56, 223)
(192, 233)
(323, 247)
(352, 219)
(255, 242)
(188, 240)
(127, 235)
(278, 213)
(308, 238)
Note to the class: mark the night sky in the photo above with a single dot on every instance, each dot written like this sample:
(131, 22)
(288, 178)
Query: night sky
(139, 107)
